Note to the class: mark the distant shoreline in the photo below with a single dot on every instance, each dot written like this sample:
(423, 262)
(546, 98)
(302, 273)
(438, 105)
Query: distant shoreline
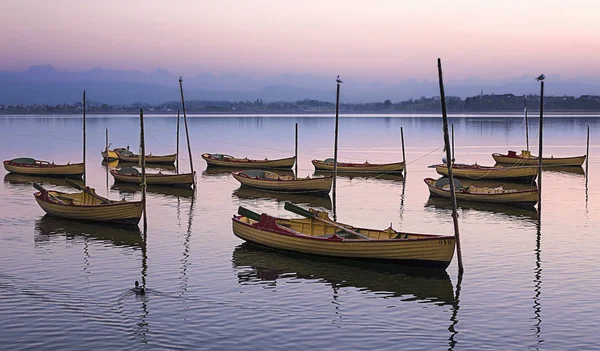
(531, 114)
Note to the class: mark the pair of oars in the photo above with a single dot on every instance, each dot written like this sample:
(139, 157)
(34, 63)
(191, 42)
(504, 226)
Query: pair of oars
(299, 210)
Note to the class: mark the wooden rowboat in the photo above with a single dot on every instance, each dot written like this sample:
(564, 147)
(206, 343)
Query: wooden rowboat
(526, 158)
(267, 180)
(485, 172)
(30, 166)
(111, 155)
(230, 161)
(500, 195)
(388, 168)
(128, 156)
(319, 235)
(132, 175)
(88, 206)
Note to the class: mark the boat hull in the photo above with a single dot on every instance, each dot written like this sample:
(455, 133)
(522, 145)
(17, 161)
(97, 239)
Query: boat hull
(524, 198)
(283, 163)
(182, 180)
(51, 170)
(388, 168)
(534, 161)
(480, 172)
(307, 185)
(128, 213)
(149, 158)
(435, 252)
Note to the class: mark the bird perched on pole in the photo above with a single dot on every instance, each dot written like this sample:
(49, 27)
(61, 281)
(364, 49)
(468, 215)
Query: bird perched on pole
(339, 80)
(541, 77)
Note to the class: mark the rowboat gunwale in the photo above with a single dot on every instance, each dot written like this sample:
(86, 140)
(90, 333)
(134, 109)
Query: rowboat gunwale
(182, 180)
(475, 171)
(390, 168)
(497, 198)
(230, 161)
(68, 211)
(570, 161)
(352, 248)
(45, 168)
(319, 185)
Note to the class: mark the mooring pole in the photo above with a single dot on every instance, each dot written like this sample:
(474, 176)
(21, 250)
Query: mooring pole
(106, 148)
(296, 153)
(587, 156)
(84, 177)
(449, 164)
(187, 133)
(335, 145)
(526, 123)
(403, 153)
(177, 152)
(452, 150)
(540, 147)
(143, 158)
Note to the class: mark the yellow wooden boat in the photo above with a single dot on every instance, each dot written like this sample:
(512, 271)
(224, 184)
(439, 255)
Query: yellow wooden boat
(230, 161)
(272, 181)
(30, 166)
(521, 173)
(88, 206)
(128, 156)
(388, 168)
(319, 235)
(499, 195)
(132, 175)
(111, 155)
(526, 158)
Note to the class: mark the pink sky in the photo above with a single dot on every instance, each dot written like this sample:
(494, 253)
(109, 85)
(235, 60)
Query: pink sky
(374, 40)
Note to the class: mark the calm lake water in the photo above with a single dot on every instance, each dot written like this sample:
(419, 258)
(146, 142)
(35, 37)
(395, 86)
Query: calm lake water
(527, 285)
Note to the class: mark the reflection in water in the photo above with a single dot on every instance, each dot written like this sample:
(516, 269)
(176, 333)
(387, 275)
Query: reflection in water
(23, 179)
(537, 306)
(127, 188)
(302, 199)
(110, 164)
(142, 327)
(155, 166)
(46, 227)
(577, 170)
(185, 261)
(415, 284)
(511, 211)
(349, 175)
(454, 317)
(219, 171)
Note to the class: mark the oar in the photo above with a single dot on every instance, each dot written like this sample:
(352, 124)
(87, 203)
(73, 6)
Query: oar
(248, 213)
(299, 210)
(39, 187)
(87, 190)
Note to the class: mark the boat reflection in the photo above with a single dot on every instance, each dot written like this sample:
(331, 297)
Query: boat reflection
(255, 263)
(28, 180)
(219, 171)
(578, 170)
(128, 189)
(511, 211)
(157, 166)
(349, 175)
(244, 193)
(110, 165)
(46, 227)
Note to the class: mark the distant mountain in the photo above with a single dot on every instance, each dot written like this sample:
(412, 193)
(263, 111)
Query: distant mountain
(44, 84)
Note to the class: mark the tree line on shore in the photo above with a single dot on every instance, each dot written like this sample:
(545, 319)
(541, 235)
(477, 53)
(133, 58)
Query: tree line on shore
(479, 103)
